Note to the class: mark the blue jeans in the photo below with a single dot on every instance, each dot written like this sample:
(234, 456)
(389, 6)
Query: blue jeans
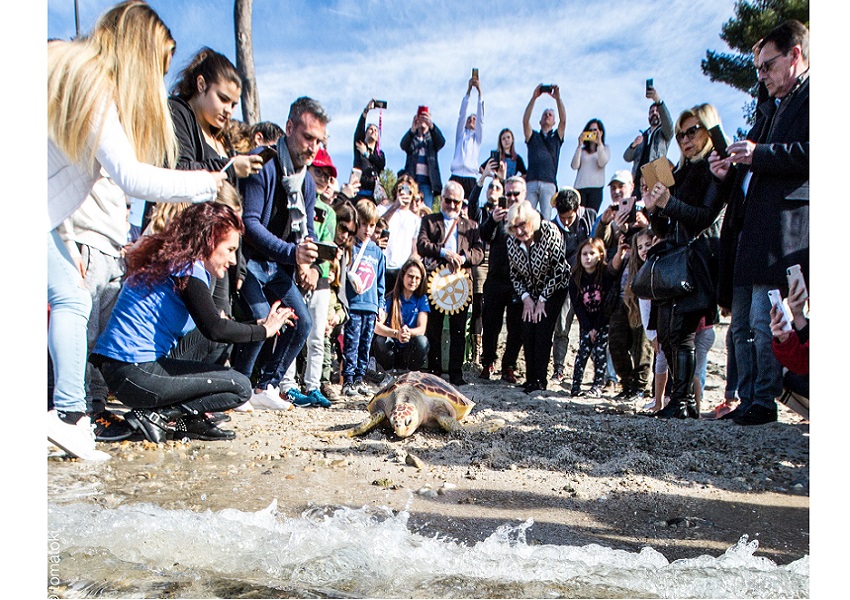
(759, 372)
(539, 193)
(264, 283)
(70, 306)
(703, 341)
(427, 194)
(359, 330)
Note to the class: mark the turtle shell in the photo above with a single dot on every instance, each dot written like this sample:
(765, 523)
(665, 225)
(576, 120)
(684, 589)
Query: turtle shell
(433, 387)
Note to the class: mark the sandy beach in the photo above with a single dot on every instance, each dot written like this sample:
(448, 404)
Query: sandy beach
(585, 470)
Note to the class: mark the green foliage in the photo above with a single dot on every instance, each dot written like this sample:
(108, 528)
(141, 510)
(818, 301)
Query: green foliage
(753, 20)
(387, 179)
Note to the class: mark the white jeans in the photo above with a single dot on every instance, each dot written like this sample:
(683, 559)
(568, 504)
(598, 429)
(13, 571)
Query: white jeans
(317, 305)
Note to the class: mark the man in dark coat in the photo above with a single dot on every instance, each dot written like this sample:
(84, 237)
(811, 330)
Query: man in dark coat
(421, 143)
(448, 239)
(766, 227)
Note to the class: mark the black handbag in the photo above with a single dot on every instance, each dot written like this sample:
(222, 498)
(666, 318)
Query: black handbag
(666, 274)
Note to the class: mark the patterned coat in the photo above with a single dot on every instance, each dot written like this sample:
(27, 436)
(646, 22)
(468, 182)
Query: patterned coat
(543, 269)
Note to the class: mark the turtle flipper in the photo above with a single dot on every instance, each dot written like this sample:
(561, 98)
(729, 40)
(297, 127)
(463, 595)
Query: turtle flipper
(375, 420)
(449, 423)
(486, 426)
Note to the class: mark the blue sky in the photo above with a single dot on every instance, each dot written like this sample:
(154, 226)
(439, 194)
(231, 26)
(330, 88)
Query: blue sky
(409, 53)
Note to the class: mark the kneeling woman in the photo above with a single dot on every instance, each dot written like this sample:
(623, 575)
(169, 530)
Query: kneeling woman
(400, 341)
(166, 294)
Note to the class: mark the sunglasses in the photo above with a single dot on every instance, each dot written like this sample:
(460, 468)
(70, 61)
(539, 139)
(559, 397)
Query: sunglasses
(451, 201)
(513, 194)
(342, 228)
(764, 67)
(689, 133)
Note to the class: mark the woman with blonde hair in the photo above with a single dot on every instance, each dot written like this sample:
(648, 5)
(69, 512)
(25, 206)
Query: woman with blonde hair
(688, 213)
(106, 108)
(539, 273)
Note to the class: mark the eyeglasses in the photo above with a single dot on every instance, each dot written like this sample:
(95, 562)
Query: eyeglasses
(689, 133)
(765, 66)
(321, 174)
(513, 194)
(451, 201)
(343, 229)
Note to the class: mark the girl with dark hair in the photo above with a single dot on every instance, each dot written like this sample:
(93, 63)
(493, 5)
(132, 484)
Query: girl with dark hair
(400, 341)
(165, 295)
(202, 103)
(589, 161)
(514, 164)
(589, 286)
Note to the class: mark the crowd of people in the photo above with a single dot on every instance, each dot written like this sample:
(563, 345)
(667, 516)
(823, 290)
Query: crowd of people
(261, 281)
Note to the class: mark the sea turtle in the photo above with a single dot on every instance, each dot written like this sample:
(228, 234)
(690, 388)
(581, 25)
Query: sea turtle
(416, 399)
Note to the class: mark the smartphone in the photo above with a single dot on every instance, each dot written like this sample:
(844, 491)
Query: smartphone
(626, 204)
(355, 176)
(475, 72)
(421, 110)
(319, 215)
(503, 201)
(795, 273)
(719, 141)
(776, 300)
(494, 156)
(326, 250)
(385, 234)
(380, 103)
(649, 85)
(546, 89)
(267, 154)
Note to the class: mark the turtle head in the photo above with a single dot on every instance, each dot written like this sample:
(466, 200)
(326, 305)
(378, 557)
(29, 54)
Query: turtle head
(404, 419)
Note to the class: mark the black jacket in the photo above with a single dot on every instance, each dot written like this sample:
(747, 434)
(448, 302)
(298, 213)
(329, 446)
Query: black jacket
(434, 141)
(768, 230)
(371, 165)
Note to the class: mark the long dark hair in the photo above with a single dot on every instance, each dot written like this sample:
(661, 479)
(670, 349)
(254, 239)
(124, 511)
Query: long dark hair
(578, 269)
(512, 153)
(190, 236)
(586, 145)
(213, 66)
(398, 290)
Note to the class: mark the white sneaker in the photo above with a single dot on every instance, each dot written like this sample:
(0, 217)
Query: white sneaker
(269, 399)
(245, 407)
(76, 440)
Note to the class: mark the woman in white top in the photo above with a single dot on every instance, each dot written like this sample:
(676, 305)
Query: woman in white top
(589, 160)
(106, 108)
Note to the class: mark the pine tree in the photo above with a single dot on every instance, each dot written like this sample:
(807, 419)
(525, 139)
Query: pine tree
(752, 21)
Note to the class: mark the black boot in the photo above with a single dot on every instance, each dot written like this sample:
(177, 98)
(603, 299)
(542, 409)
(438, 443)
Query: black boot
(202, 427)
(675, 409)
(157, 425)
(683, 404)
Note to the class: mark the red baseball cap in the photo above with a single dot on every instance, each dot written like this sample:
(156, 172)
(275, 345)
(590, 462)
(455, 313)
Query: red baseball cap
(323, 161)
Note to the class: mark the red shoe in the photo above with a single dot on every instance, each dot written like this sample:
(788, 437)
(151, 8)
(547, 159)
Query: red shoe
(486, 372)
(509, 374)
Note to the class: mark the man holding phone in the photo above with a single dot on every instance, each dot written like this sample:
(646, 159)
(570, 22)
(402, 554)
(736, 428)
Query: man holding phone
(468, 139)
(544, 149)
(653, 142)
(279, 213)
(421, 143)
(766, 225)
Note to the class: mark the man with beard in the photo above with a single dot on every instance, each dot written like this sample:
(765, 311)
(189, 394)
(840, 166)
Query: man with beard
(653, 142)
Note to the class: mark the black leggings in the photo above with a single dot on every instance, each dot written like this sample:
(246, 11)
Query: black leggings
(196, 387)
(537, 339)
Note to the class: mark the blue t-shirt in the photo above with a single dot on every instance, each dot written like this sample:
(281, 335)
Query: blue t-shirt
(544, 152)
(146, 324)
(410, 310)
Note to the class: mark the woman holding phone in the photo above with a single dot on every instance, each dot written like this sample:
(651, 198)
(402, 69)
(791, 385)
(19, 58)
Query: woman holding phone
(589, 161)
(202, 103)
(514, 165)
(106, 109)
(689, 212)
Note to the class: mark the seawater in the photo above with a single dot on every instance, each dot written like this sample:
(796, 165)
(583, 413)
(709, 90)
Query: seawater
(144, 550)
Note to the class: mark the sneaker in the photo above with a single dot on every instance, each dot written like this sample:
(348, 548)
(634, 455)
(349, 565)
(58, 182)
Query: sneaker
(557, 376)
(594, 392)
(363, 388)
(294, 396)
(244, 407)
(329, 392)
(509, 374)
(109, 427)
(486, 372)
(76, 440)
(757, 415)
(349, 389)
(610, 388)
(317, 398)
(269, 399)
